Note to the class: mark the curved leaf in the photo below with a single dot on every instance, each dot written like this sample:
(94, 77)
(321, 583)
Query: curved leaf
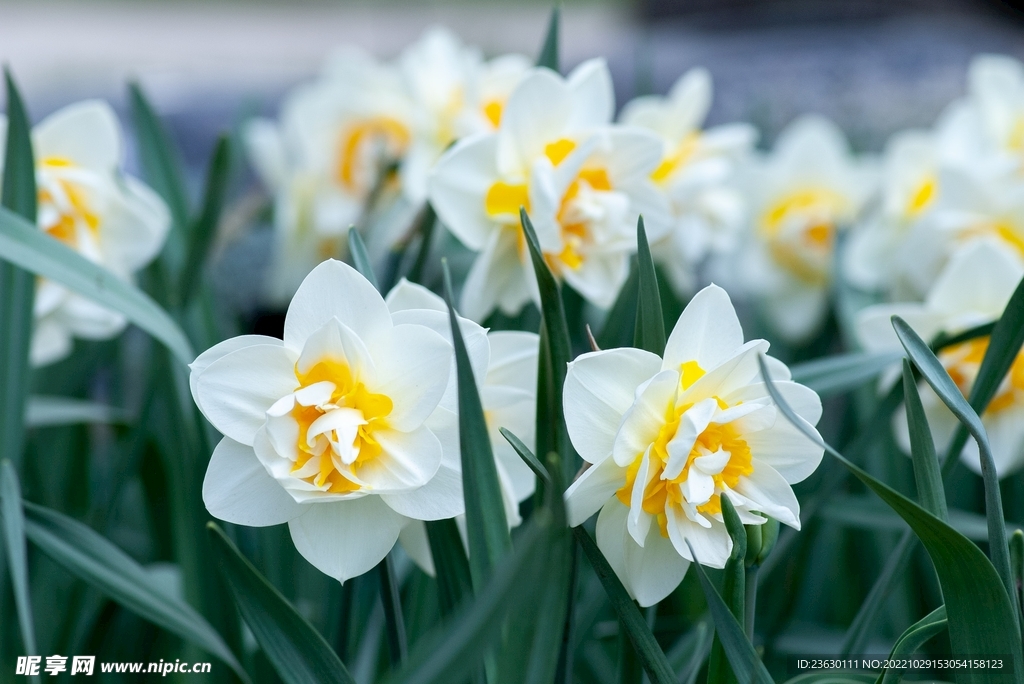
(524, 452)
(981, 617)
(644, 644)
(159, 158)
(936, 376)
(203, 230)
(297, 651)
(912, 639)
(45, 411)
(394, 622)
(360, 258)
(619, 325)
(650, 323)
(486, 524)
(549, 51)
(927, 472)
(86, 554)
(450, 564)
(868, 513)
(842, 373)
(733, 589)
(14, 542)
(21, 243)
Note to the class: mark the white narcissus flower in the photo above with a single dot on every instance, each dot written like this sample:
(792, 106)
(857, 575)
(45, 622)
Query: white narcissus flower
(334, 430)
(583, 182)
(972, 290)
(505, 367)
(86, 202)
(698, 174)
(806, 191)
(666, 438)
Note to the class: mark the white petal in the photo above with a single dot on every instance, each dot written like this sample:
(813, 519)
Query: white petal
(691, 424)
(730, 376)
(638, 524)
(712, 545)
(239, 490)
(458, 187)
(335, 341)
(85, 133)
(536, 113)
(770, 494)
(407, 295)
(407, 462)
(592, 490)
(235, 391)
(593, 95)
(344, 539)
(645, 418)
(413, 366)
(707, 332)
(497, 278)
(599, 389)
(786, 449)
(335, 290)
(513, 359)
(413, 539)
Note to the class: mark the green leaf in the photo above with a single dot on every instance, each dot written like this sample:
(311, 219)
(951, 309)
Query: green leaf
(45, 411)
(936, 376)
(834, 678)
(912, 639)
(528, 457)
(644, 644)
(486, 525)
(426, 231)
(858, 633)
(981, 617)
(747, 667)
(391, 600)
(1017, 563)
(360, 258)
(688, 654)
(203, 230)
(619, 325)
(14, 544)
(87, 555)
(927, 472)
(17, 286)
(650, 324)
(866, 512)
(455, 648)
(837, 374)
(549, 51)
(159, 158)
(297, 651)
(733, 589)
(1004, 345)
(450, 564)
(23, 244)
(555, 354)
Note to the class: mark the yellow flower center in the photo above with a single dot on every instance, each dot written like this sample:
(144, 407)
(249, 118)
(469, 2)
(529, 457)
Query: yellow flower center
(1004, 230)
(355, 437)
(800, 231)
(661, 493)
(677, 158)
(377, 140)
(493, 110)
(72, 208)
(923, 196)
(962, 362)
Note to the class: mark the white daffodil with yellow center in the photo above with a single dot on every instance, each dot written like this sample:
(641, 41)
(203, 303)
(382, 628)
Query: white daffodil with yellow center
(972, 290)
(698, 174)
(883, 251)
(582, 181)
(330, 430)
(665, 439)
(86, 202)
(806, 191)
(505, 367)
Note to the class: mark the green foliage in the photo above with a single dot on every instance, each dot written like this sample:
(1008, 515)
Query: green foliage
(650, 325)
(912, 639)
(549, 51)
(13, 518)
(360, 259)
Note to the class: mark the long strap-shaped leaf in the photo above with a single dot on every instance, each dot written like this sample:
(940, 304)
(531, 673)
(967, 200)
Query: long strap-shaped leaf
(204, 228)
(747, 667)
(17, 285)
(844, 372)
(927, 471)
(644, 644)
(23, 244)
(297, 651)
(159, 158)
(451, 566)
(486, 524)
(42, 411)
(733, 590)
(360, 257)
(940, 381)
(14, 544)
(86, 554)
(650, 323)
(549, 51)
(981, 617)
(912, 639)
(555, 354)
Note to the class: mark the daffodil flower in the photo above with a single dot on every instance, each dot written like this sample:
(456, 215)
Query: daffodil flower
(698, 174)
(665, 439)
(807, 191)
(86, 202)
(582, 181)
(972, 290)
(332, 430)
(505, 367)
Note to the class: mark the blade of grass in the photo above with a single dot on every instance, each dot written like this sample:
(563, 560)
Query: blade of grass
(297, 652)
(14, 543)
(426, 231)
(650, 324)
(203, 230)
(548, 56)
(486, 525)
(528, 457)
(927, 472)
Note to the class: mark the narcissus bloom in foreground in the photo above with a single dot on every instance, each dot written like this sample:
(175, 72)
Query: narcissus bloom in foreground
(972, 290)
(88, 204)
(667, 438)
(330, 430)
(583, 182)
(505, 368)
